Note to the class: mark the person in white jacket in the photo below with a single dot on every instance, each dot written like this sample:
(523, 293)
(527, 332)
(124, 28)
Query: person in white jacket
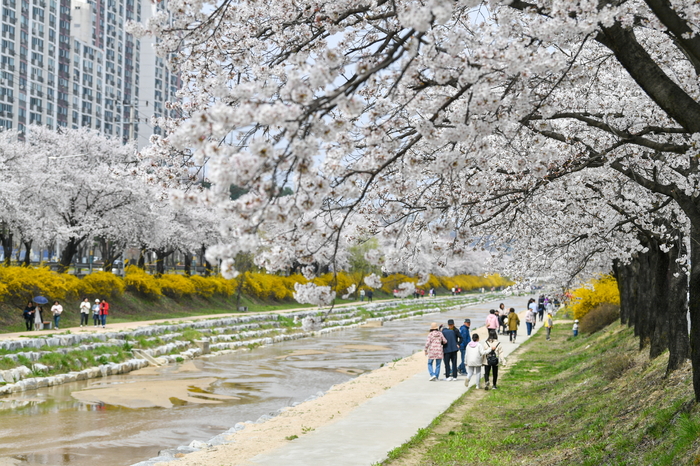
(474, 359)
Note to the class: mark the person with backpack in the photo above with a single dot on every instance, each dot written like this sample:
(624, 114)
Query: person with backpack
(492, 358)
(540, 307)
(453, 338)
(433, 349)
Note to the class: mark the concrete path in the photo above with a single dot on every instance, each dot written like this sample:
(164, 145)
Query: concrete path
(368, 433)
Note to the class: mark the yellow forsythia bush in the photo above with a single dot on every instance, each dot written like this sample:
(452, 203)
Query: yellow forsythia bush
(101, 284)
(204, 287)
(596, 292)
(21, 284)
(340, 283)
(139, 282)
(176, 286)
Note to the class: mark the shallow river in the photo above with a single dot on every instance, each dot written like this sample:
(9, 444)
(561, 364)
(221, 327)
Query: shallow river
(49, 426)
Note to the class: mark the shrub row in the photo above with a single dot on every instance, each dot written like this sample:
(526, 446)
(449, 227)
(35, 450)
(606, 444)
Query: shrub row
(17, 284)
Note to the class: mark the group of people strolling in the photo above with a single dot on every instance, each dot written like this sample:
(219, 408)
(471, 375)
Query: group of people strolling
(445, 343)
(33, 314)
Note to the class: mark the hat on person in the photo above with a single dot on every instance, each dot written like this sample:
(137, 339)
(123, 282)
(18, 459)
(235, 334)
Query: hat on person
(576, 321)
(434, 326)
(450, 322)
(468, 321)
(97, 300)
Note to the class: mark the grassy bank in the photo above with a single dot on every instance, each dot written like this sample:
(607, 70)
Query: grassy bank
(585, 401)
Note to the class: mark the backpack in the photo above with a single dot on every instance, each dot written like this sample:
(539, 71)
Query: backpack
(492, 357)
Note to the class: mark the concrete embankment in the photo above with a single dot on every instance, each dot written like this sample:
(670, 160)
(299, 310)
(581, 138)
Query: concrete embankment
(36, 362)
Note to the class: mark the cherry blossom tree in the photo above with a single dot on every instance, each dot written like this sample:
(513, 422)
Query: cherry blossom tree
(434, 123)
(78, 185)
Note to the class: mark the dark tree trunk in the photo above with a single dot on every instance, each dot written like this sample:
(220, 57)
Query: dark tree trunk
(68, 253)
(142, 258)
(27, 253)
(239, 290)
(187, 259)
(627, 288)
(659, 319)
(161, 255)
(694, 306)
(111, 251)
(677, 285)
(6, 239)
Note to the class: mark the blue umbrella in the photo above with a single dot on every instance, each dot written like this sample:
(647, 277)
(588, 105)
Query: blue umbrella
(40, 300)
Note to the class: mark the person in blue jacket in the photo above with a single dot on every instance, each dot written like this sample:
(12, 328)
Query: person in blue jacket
(454, 338)
(466, 338)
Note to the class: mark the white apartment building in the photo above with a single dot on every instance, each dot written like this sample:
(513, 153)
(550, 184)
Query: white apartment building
(71, 63)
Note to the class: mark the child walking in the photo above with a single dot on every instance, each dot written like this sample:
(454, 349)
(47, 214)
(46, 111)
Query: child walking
(433, 349)
(474, 359)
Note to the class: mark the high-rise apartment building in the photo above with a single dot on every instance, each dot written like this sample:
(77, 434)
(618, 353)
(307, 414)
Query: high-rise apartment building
(71, 63)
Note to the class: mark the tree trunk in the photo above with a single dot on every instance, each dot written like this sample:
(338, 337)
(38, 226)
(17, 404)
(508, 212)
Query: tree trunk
(142, 258)
(660, 301)
(27, 253)
(239, 290)
(68, 253)
(694, 306)
(6, 239)
(677, 286)
(111, 251)
(626, 287)
(187, 256)
(161, 255)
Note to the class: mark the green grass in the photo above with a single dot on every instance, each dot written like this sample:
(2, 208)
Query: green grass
(558, 405)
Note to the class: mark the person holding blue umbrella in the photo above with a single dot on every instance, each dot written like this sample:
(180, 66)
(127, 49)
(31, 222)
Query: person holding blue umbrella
(38, 321)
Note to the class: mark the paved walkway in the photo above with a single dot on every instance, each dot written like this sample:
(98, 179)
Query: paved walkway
(368, 433)
(123, 326)
(131, 325)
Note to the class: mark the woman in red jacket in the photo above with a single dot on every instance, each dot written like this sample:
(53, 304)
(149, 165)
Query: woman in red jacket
(104, 312)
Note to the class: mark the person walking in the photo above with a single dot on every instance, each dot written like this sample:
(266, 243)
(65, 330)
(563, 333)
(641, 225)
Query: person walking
(453, 338)
(492, 324)
(492, 358)
(104, 312)
(502, 317)
(433, 349)
(370, 293)
(513, 324)
(530, 319)
(96, 313)
(475, 353)
(56, 311)
(464, 333)
(38, 321)
(84, 311)
(28, 315)
(575, 329)
(548, 324)
(540, 307)
(362, 295)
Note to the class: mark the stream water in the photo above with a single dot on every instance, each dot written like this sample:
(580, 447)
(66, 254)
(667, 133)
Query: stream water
(50, 427)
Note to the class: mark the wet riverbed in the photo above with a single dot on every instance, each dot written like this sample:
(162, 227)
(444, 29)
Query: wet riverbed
(49, 426)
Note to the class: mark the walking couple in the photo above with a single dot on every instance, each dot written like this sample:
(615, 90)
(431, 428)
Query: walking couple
(487, 355)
